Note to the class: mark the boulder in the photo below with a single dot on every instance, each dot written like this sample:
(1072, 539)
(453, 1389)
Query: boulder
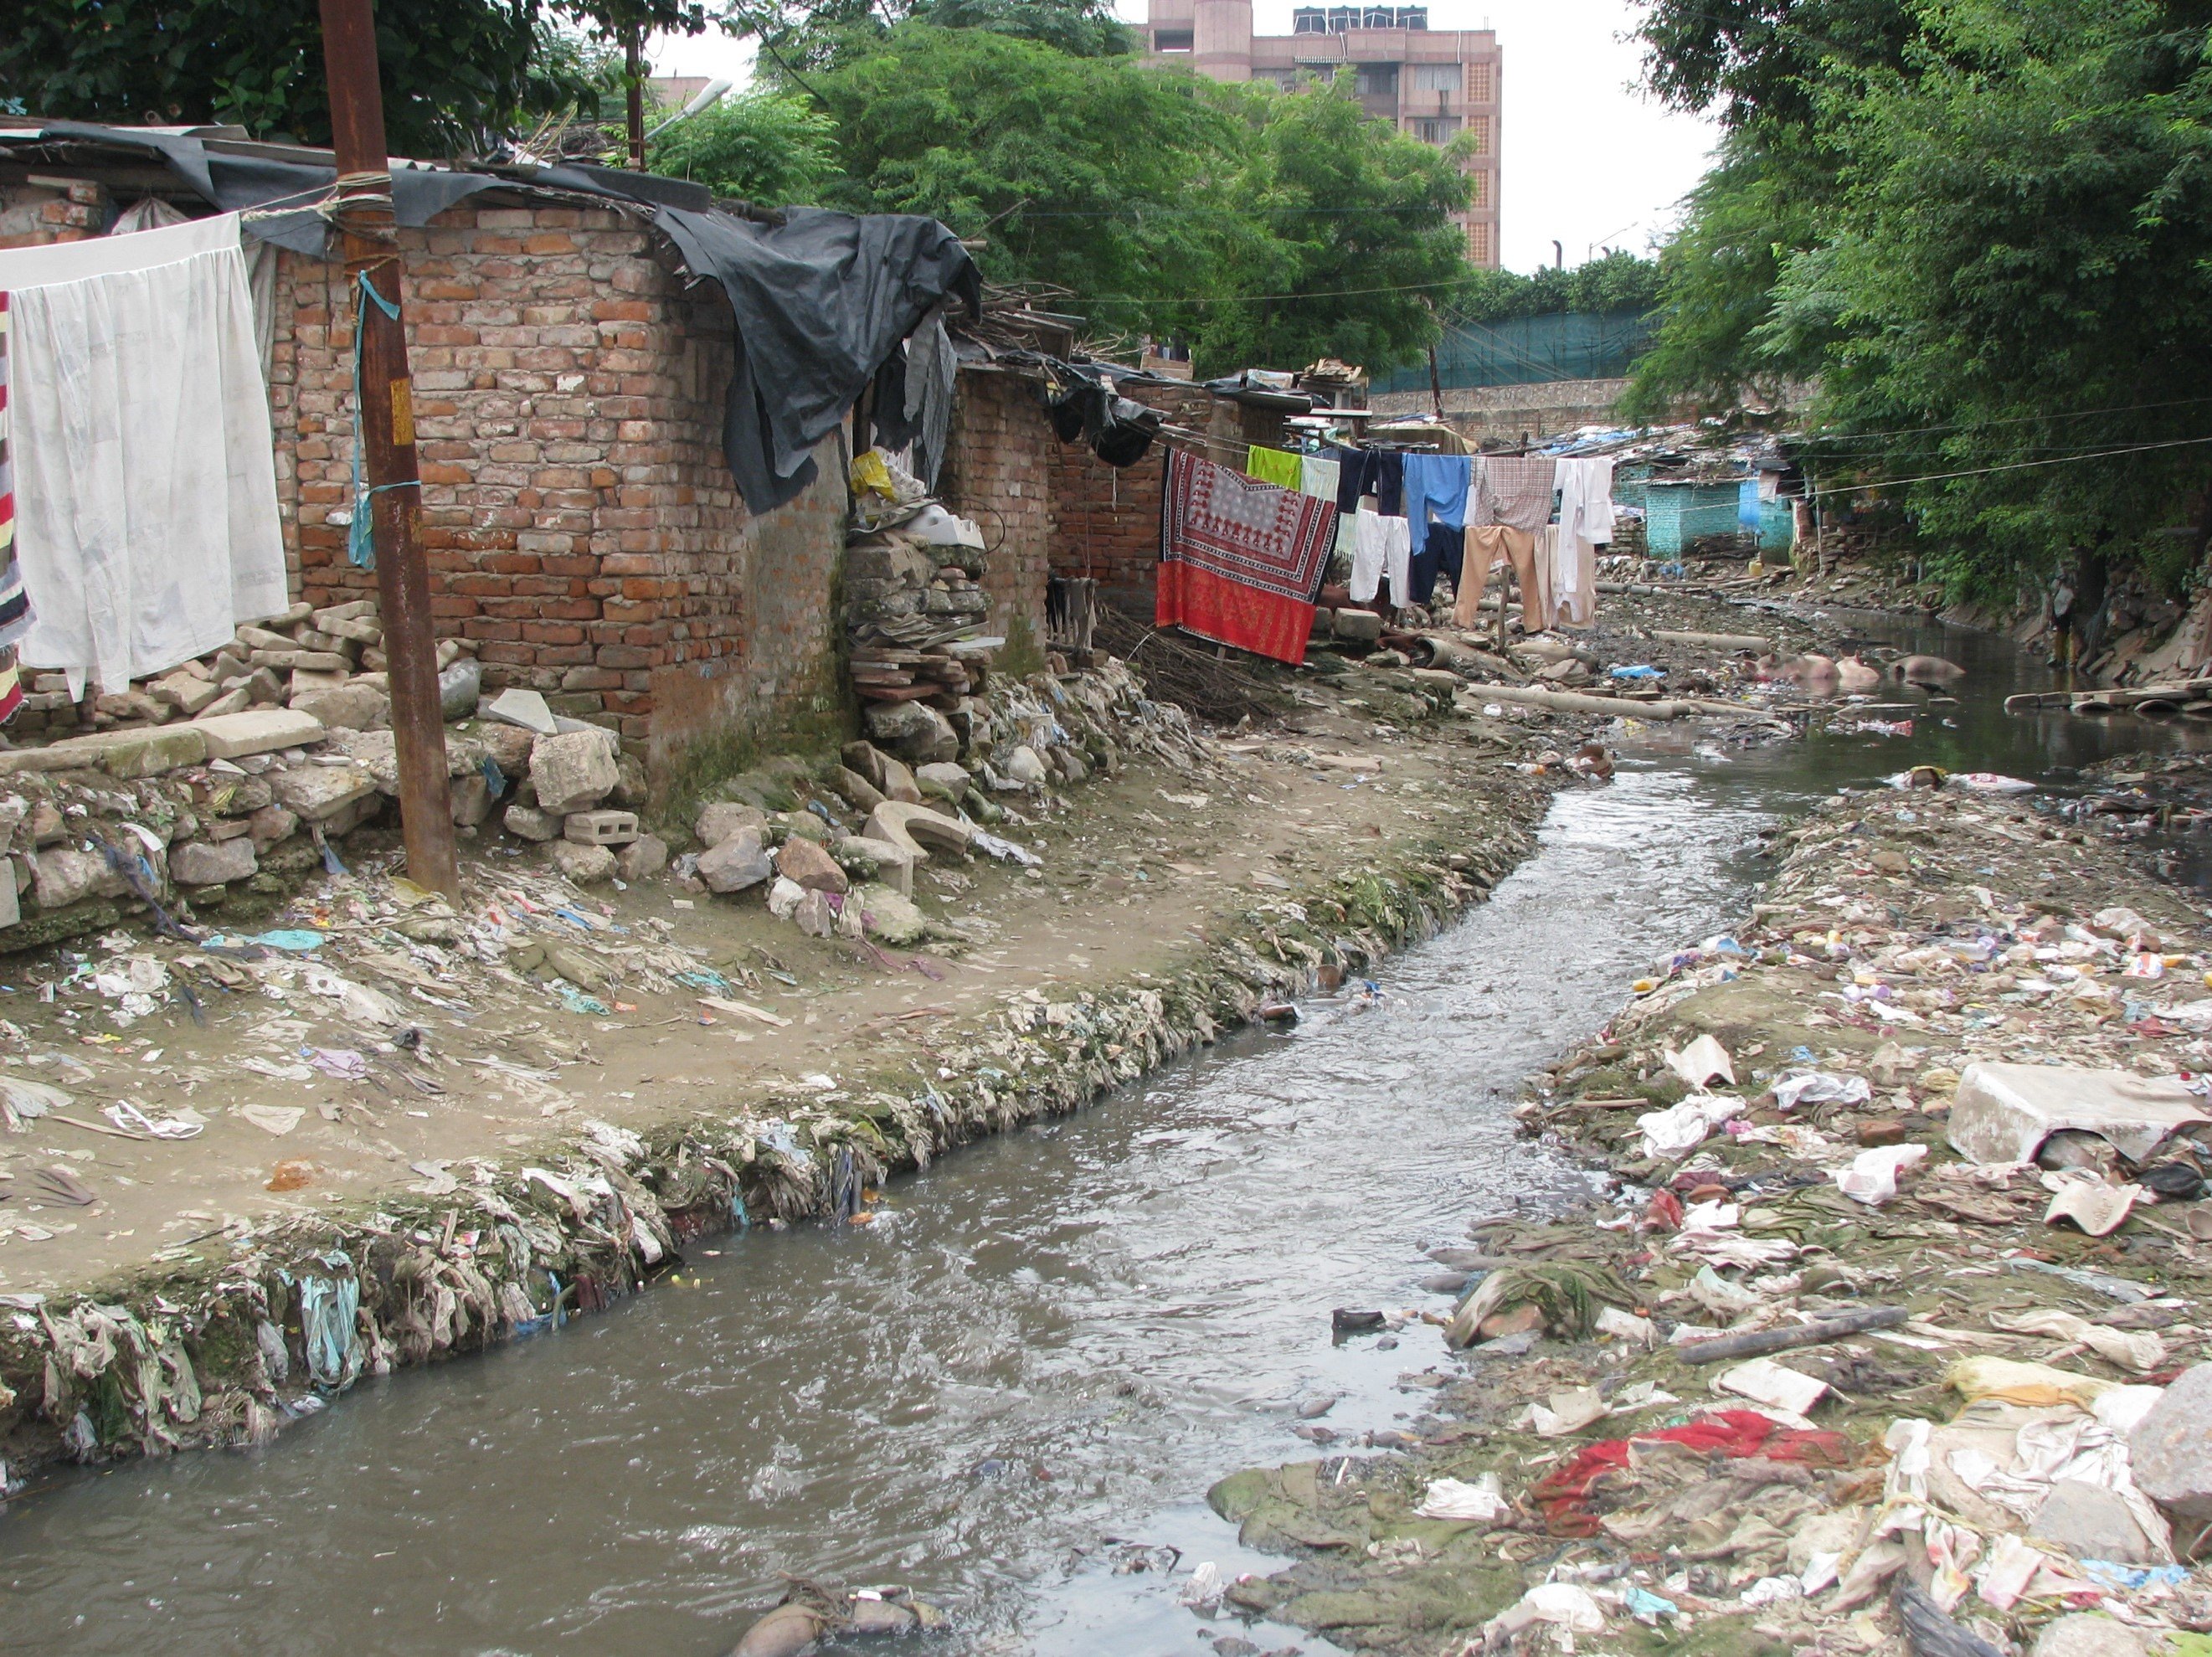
(723, 818)
(508, 746)
(953, 779)
(471, 799)
(805, 863)
(804, 825)
(574, 771)
(899, 783)
(318, 793)
(911, 828)
(346, 707)
(816, 913)
(1021, 765)
(645, 856)
(2171, 1448)
(585, 865)
(1361, 626)
(736, 863)
(235, 700)
(530, 823)
(263, 687)
(198, 863)
(915, 732)
(865, 760)
(271, 824)
(66, 875)
(186, 692)
(858, 792)
(888, 915)
(2091, 1522)
(2084, 1634)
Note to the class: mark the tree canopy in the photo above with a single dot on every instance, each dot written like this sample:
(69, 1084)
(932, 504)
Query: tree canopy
(1618, 282)
(1987, 234)
(458, 75)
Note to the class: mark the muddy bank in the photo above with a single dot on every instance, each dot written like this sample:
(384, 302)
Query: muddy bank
(1582, 1470)
(259, 1321)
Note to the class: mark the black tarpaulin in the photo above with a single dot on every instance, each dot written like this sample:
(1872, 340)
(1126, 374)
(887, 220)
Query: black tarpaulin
(820, 301)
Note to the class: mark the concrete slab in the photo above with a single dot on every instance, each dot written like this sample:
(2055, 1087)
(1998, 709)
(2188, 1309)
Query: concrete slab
(257, 730)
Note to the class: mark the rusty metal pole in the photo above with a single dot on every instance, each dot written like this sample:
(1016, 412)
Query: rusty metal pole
(386, 422)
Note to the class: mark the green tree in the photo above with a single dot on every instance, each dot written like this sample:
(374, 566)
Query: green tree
(1348, 250)
(762, 146)
(1263, 226)
(458, 75)
(1618, 282)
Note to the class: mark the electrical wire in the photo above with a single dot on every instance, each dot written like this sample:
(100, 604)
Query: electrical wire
(2007, 466)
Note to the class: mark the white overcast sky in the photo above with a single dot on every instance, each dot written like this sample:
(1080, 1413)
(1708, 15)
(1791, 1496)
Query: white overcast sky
(1587, 158)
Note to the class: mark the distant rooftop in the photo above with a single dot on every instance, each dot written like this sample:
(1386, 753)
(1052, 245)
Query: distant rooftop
(1342, 20)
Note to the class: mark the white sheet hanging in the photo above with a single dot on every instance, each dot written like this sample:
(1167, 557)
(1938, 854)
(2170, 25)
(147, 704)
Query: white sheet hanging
(145, 464)
(1585, 520)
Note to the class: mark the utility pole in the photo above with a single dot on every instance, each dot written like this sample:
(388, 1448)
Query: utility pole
(634, 89)
(386, 421)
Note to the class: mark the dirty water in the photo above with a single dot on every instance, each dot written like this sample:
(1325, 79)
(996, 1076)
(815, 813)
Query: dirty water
(1044, 1351)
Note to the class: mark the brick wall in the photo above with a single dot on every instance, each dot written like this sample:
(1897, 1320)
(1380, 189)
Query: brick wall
(1105, 523)
(998, 470)
(579, 521)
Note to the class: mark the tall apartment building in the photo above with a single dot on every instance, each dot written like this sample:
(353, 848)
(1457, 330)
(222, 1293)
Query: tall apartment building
(1433, 84)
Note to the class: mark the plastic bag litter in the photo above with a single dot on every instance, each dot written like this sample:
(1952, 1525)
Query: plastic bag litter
(2037, 1385)
(279, 1120)
(22, 1101)
(1563, 1604)
(357, 1001)
(1820, 1087)
(1568, 1410)
(1872, 1177)
(1453, 1499)
(1675, 1132)
(1205, 1588)
(1005, 850)
(328, 1320)
(2095, 1207)
(1769, 1384)
(1701, 1061)
(2138, 1350)
(345, 1063)
(184, 1125)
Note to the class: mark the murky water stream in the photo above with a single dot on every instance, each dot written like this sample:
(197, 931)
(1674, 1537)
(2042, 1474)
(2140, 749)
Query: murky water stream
(1050, 1344)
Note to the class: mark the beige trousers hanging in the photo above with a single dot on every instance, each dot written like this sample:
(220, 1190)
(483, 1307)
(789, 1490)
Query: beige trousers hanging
(1496, 543)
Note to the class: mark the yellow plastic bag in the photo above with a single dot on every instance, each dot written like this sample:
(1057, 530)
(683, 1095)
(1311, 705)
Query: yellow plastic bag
(870, 476)
(2037, 1386)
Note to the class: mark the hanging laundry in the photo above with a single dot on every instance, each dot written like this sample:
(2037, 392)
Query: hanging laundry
(14, 603)
(1277, 466)
(1585, 523)
(145, 471)
(1489, 546)
(1515, 490)
(1382, 550)
(1319, 477)
(1240, 561)
(1436, 484)
(1351, 475)
(1383, 477)
(1442, 552)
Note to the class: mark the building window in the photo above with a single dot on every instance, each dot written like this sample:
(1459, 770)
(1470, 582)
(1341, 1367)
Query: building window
(1480, 126)
(1310, 20)
(1478, 243)
(1378, 17)
(1435, 77)
(1171, 39)
(1325, 73)
(1412, 17)
(1343, 19)
(1288, 79)
(1478, 187)
(1479, 83)
(1378, 80)
(1434, 128)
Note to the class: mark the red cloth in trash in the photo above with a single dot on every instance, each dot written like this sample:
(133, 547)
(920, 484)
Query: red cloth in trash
(1240, 560)
(1563, 1494)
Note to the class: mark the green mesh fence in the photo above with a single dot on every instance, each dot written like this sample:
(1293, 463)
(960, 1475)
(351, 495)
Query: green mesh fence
(1529, 351)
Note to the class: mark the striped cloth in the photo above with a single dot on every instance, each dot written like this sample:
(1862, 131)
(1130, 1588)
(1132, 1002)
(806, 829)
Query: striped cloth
(1240, 560)
(15, 603)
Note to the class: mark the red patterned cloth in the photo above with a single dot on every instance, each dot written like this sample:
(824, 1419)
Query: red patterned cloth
(1240, 560)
